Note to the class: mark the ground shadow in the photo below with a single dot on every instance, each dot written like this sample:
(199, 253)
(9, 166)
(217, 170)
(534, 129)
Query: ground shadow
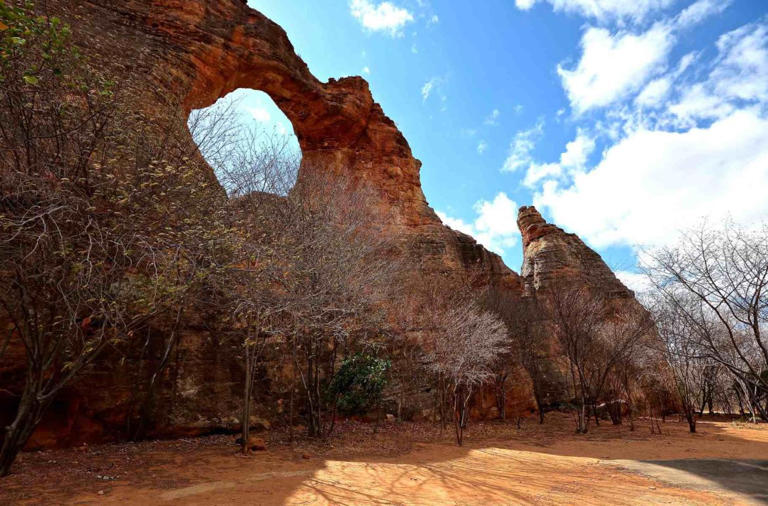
(403, 461)
(746, 477)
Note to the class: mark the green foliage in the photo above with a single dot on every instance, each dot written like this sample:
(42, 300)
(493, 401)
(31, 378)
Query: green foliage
(41, 43)
(359, 383)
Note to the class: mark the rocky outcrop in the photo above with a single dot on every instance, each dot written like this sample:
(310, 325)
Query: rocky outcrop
(176, 55)
(182, 55)
(552, 257)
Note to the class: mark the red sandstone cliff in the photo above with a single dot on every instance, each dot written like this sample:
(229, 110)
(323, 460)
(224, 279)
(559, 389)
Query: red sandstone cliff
(185, 54)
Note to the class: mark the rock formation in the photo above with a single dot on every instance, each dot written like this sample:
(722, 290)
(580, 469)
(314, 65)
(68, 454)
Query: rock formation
(186, 54)
(551, 257)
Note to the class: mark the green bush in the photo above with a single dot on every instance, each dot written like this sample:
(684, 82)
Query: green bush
(358, 385)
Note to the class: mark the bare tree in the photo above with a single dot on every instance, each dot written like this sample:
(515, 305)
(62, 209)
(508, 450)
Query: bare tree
(683, 355)
(464, 344)
(522, 317)
(627, 330)
(578, 316)
(718, 282)
(91, 218)
(61, 271)
(320, 264)
(597, 336)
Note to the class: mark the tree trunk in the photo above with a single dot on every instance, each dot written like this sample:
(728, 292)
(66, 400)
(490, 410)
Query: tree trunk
(245, 423)
(703, 400)
(691, 417)
(457, 419)
(290, 404)
(442, 394)
(503, 401)
(583, 418)
(148, 404)
(537, 398)
(28, 416)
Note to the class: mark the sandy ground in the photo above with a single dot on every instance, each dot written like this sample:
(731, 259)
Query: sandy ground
(724, 463)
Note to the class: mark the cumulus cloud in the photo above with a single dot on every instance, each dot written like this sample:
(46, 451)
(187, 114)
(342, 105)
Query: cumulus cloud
(614, 65)
(495, 225)
(603, 11)
(577, 151)
(680, 141)
(572, 160)
(481, 147)
(383, 17)
(653, 183)
(521, 148)
(692, 143)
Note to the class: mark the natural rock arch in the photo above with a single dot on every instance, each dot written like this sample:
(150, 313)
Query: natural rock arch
(338, 125)
(175, 55)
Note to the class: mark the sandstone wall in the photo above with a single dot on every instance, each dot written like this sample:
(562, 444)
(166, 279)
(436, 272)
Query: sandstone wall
(176, 55)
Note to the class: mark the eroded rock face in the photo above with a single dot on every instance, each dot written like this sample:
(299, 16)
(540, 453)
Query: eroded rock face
(185, 54)
(552, 257)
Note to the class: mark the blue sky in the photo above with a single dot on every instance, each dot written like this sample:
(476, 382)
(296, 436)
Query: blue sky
(623, 121)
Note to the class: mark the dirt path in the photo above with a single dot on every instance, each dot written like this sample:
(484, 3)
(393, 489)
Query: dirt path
(748, 478)
(500, 465)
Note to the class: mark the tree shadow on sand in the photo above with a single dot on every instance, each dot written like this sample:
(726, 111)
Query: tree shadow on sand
(499, 464)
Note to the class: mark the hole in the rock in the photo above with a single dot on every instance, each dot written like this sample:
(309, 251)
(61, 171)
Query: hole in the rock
(249, 143)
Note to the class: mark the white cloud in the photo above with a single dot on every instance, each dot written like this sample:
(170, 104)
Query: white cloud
(435, 86)
(457, 223)
(572, 160)
(638, 283)
(738, 75)
(654, 93)
(426, 90)
(493, 118)
(612, 66)
(577, 151)
(538, 171)
(384, 17)
(524, 4)
(520, 150)
(260, 114)
(698, 11)
(495, 226)
(651, 184)
(435, 19)
(742, 71)
(366, 70)
(603, 10)
(481, 147)
(698, 102)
